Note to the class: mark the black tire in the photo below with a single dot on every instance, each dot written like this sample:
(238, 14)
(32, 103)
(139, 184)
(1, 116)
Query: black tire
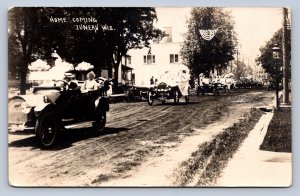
(46, 129)
(202, 92)
(176, 96)
(100, 122)
(150, 99)
(187, 99)
(226, 89)
(163, 101)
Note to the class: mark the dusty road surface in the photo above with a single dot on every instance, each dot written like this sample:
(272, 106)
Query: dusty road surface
(141, 146)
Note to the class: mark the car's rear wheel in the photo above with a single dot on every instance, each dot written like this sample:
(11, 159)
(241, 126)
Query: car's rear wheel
(46, 129)
(150, 99)
(176, 96)
(100, 122)
(187, 99)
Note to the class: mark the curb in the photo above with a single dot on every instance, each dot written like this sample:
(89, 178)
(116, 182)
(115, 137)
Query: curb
(251, 167)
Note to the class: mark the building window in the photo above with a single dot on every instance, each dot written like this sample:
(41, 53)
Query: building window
(149, 59)
(129, 60)
(173, 58)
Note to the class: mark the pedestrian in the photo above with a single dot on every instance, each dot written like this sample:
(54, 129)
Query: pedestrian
(152, 80)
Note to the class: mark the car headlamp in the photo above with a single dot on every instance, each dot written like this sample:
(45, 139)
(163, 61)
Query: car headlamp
(25, 108)
(45, 98)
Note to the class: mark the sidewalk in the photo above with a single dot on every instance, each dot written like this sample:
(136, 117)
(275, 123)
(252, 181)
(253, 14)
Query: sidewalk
(251, 167)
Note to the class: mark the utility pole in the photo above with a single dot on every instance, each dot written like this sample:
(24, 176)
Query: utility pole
(284, 57)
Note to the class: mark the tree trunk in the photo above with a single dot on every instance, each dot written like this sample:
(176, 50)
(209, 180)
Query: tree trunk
(116, 74)
(23, 75)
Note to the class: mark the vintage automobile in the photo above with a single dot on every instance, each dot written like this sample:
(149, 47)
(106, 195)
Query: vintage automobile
(208, 88)
(50, 108)
(226, 82)
(170, 86)
(207, 85)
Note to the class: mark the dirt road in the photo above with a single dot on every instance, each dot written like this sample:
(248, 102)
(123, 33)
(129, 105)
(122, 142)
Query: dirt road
(141, 146)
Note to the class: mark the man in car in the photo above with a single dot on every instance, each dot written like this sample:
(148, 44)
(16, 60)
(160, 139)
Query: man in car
(70, 83)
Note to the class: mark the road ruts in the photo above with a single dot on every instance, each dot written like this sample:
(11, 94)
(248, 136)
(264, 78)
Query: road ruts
(135, 132)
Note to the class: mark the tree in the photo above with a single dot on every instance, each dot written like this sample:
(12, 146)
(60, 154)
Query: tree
(266, 59)
(132, 28)
(23, 41)
(201, 55)
(33, 35)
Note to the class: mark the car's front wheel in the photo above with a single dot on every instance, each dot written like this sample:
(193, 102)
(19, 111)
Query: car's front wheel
(150, 98)
(46, 129)
(176, 96)
(100, 122)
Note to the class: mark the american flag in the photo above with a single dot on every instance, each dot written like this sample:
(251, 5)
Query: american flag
(208, 34)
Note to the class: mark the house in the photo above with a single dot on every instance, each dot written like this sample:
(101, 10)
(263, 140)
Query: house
(154, 61)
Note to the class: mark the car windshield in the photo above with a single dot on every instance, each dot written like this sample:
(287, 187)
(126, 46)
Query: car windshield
(45, 91)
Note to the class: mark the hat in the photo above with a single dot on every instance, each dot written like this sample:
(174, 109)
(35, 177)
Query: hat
(91, 73)
(68, 74)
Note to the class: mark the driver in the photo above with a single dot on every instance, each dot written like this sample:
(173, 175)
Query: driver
(70, 83)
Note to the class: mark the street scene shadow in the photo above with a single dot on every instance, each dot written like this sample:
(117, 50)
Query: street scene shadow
(173, 104)
(66, 138)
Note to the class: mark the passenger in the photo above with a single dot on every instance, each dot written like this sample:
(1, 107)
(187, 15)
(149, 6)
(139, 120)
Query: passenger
(70, 83)
(90, 84)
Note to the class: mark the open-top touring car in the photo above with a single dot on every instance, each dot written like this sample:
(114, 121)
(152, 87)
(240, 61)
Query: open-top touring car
(207, 85)
(49, 108)
(171, 85)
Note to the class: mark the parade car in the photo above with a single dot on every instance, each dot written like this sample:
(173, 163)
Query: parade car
(206, 85)
(208, 88)
(170, 86)
(50, 108)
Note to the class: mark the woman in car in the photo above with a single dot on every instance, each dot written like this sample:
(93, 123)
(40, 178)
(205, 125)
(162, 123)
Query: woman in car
(90, 84)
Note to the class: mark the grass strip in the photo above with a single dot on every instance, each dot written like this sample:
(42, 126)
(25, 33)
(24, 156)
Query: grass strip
(211, 158)
(279, 137)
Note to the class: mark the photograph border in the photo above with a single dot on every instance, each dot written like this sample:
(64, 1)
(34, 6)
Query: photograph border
(150, 191)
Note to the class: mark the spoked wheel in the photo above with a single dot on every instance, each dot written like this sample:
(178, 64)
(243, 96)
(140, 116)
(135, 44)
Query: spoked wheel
(100, 122)
(176, 96)
(150, 99)
(216, 92)
(226, 89)
(187, 99)
(46, 129)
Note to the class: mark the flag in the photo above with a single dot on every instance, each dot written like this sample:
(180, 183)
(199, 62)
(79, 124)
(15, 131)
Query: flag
(208, 34)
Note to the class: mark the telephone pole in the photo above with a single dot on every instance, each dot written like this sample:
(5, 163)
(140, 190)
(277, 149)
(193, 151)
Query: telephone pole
(284, 57)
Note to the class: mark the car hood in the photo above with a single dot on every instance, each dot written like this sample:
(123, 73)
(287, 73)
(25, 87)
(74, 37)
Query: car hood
(31, 100)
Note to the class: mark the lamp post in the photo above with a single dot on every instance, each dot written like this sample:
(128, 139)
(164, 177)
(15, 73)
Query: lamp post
(275, 51)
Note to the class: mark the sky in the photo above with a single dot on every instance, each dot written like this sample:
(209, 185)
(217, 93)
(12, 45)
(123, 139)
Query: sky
(254, 26)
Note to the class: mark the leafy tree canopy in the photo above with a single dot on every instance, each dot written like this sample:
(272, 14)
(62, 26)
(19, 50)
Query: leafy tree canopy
(201, 55)
(266, 59)
(37, 32)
